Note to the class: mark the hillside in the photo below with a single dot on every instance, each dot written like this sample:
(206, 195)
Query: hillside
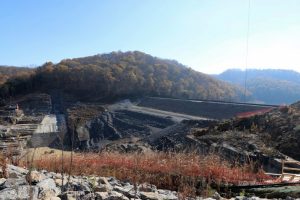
(276, 130)
(268, 86)
(7, 72)
(119, 74)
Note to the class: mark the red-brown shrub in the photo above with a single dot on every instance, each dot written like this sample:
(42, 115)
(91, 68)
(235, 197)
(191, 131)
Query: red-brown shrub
(176, 171)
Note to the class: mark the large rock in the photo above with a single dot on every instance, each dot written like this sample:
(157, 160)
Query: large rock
(55, 198)
(150, 196)
(61, 182)
(145, 187)
(17, 170)
(116, 196)
(72, 195)
(48, 188)
(14, 182)
(2, 181)
(23, 192)
(8, 193)
(101, 195)
(127, 190)
(167, 194)
(47, 194)
(102, 188)
(34, 177)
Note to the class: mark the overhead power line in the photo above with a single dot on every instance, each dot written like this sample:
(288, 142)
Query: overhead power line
(247, 50)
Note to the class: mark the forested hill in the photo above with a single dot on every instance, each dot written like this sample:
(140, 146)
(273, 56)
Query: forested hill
(269, 86)
(7, 72)
(122, 74)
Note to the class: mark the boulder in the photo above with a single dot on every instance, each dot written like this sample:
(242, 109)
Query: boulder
(102, 188)
(2, 181)
(127, 190)
(34, 177)
(18, 170)
(116, 196)
(9, 194)
(22, 192)
(101, 195)
(145, 187)
(59, 182)
(72, 195)
(217, 196)
(48, 188)
(167, 194)
(13, 175)
(27, 192)
(149, 196)
(13, 182)
(47, 194)
(110, 181)
(55, 198)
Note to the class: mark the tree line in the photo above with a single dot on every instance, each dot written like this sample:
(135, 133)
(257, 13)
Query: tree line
(120, 74)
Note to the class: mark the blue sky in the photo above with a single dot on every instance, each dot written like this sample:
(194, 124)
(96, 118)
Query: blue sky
(207, 35)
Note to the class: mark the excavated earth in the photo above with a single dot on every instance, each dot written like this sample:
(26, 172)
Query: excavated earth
(58, 120)
(128, 127)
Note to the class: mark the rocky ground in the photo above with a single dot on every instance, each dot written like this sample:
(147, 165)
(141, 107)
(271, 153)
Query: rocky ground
(127, 128)
(274, 134)
(23, 184)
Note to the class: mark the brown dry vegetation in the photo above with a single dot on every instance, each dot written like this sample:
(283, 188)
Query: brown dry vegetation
(182, 172)
(3, 166)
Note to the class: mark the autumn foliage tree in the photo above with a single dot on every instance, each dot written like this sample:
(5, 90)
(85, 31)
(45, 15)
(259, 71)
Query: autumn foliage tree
(120, 74)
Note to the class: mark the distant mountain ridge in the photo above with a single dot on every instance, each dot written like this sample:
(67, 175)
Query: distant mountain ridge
(272, 86)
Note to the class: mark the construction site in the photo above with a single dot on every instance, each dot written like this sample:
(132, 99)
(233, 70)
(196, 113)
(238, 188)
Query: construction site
(238, 133)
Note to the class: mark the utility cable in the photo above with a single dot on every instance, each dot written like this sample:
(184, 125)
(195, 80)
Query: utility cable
(247, 50)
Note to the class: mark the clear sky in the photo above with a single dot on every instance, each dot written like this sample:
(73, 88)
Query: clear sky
(207, 35)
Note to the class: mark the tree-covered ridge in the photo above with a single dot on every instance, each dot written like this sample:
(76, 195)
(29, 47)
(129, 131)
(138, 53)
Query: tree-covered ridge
(124, 74)
(270, 86)
(7, 72)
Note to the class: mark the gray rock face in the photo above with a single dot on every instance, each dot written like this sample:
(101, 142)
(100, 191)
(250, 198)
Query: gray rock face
(114, 125)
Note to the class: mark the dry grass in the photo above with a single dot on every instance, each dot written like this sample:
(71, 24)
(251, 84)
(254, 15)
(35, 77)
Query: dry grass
(3, 166)
(189, 173)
